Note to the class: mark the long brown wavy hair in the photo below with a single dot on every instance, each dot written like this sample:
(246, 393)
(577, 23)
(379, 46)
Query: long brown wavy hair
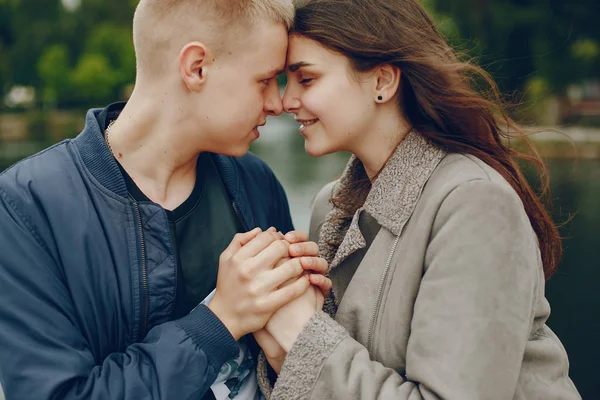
(453, 103)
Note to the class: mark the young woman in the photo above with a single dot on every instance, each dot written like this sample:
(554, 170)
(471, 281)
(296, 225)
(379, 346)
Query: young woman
(438, 247)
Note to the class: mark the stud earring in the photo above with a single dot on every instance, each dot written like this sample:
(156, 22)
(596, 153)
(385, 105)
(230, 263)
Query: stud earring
(379, 98)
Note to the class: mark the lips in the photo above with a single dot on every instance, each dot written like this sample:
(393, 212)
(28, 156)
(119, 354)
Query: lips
(306, 123)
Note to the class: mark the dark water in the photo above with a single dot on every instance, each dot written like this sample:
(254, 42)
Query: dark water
(574, 292)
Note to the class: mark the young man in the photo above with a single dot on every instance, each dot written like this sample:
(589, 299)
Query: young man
(110, 242)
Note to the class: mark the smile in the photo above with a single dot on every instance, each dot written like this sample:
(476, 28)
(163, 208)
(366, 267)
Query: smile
(307, 123)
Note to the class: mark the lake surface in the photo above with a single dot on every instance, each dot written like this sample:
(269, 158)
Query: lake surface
(574, 292)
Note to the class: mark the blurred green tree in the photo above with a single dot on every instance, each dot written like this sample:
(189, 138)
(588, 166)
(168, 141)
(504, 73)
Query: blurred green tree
(6, 38)
(549, 43)
(94, 80)
(54, 72)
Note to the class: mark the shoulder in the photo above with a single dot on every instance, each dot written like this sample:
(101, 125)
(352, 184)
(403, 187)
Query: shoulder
(460, 175)
(38, 173)
(463, 185)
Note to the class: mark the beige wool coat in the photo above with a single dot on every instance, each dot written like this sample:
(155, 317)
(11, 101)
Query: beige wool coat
(439, 291)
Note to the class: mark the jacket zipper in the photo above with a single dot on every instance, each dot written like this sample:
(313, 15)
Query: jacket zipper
(239, 216)
(379, 295)
(142, 331)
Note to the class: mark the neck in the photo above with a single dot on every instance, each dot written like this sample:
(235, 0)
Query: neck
(377, 145)
(145, 140)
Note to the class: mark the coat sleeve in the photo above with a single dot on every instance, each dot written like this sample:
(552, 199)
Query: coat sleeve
(471, 322)
(45, 356)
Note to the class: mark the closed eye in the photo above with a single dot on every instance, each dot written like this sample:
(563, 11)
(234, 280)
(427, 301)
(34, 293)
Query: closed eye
(305, 80)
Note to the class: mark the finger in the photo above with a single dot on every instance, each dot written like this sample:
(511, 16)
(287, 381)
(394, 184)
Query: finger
(258, 244)
(315, 264)
(323, 283)
(282, 261)
(275, 278)
(239, 240)
(272, 255)
(320, 300)
(283, 296)
(304, 249)
(296, 236)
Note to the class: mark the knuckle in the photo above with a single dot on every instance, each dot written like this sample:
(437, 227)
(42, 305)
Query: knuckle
(253, 291)
(235, 260)
(281, 246)
(260, 305)
(245, 274)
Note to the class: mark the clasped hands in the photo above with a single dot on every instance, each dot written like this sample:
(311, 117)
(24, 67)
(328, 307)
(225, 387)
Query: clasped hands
(270, 285)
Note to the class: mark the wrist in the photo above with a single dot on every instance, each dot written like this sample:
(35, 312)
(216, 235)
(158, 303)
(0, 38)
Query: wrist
(286, 335)
(276, 364)
(229, 323)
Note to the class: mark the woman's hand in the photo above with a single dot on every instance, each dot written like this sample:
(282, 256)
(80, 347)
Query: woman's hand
(273, 351)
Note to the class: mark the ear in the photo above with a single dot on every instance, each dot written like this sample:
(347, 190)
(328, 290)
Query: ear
(387, 81)
(194, 61)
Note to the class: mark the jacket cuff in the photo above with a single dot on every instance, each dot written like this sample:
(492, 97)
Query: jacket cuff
(265, 383)
(210, 336)
(305, 360)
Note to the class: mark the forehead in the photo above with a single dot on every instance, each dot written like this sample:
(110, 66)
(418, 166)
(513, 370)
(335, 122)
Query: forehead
(302, 51)
(264, 47)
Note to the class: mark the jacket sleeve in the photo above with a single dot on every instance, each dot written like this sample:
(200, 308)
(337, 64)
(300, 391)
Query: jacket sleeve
(471, 321)
(45, 356)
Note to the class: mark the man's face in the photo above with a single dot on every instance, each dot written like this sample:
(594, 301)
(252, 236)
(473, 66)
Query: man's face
(241, 89)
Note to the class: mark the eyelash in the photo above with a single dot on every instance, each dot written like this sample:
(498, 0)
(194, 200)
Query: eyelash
(305, 80)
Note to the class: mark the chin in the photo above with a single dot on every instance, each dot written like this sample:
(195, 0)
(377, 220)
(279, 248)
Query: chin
(235, 151)
(314, 150)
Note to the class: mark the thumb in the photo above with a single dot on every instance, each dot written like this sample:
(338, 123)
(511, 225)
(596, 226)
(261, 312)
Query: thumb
(239, 240)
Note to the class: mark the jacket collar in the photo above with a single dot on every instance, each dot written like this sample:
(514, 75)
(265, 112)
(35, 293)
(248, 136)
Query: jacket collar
(391, 200)
(99, 161)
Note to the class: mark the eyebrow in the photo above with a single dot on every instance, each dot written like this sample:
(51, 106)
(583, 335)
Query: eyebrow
(296, 66)
(276, 72)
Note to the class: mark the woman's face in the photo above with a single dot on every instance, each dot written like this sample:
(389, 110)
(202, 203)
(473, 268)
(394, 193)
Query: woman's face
(334, 105)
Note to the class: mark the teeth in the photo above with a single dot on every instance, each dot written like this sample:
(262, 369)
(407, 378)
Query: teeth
(309, 123)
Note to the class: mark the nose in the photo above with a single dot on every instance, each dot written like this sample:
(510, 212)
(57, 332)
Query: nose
(291, 103)
(273, 105)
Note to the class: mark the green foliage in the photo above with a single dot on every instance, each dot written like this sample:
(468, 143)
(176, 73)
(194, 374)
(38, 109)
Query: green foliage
(517, 40)
(116, 44)
(94, 79)
(54, 72)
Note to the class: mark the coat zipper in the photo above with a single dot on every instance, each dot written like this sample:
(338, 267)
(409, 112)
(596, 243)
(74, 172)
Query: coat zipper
(379, 295)
(239, 216)
(142, 331)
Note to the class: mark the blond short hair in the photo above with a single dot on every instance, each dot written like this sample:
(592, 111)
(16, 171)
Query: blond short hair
(159, 25)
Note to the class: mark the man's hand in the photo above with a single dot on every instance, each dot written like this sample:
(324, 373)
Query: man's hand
(249, 287)
(247, 291)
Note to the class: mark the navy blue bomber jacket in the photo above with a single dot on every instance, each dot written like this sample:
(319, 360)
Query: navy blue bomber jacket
(88, 279)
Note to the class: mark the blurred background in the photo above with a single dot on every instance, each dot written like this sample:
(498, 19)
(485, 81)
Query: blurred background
(60, 57)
